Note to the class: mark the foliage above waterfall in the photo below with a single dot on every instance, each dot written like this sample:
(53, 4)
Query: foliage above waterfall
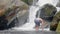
(29, 2)
(26, 1)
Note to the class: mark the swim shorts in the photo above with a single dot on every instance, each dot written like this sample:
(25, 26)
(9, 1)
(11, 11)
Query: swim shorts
(37, 22)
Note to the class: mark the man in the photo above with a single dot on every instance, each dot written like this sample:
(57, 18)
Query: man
(37, 23)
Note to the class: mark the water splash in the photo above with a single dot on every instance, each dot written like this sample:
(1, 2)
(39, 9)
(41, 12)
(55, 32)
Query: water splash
(41, 2)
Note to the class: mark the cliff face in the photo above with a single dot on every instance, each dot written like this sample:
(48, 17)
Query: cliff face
(10, 8)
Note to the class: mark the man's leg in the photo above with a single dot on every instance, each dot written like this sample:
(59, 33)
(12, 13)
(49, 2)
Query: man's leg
(37, 27)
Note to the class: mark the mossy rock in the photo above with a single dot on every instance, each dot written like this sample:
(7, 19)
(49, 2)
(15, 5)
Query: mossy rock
(58, 15)
(53, 26)
(55, 22)
(47, 12)
(49, 9)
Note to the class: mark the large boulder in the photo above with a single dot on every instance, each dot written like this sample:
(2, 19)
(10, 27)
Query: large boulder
(55, 22)
(7, 5)
(9, 9)
(47, 12)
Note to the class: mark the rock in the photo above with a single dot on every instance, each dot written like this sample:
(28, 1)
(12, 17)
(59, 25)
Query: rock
(55, 22)
(47, 12)
(12, 4)
(10, 9)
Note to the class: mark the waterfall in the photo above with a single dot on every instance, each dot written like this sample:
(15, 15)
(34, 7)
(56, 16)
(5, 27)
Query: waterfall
(32, 11)
(34, 2)
(32, 14)
(39, 4)
(58, 8)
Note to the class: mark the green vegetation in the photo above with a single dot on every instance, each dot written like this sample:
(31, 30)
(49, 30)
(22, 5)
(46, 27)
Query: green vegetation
(26, 1)
(29, 2)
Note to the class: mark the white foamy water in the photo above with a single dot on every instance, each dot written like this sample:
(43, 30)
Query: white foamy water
(32, 12)
(42, 2)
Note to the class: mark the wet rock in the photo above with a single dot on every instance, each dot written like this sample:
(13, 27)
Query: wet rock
(12, 4)
(55, 22)
(3, 23)
(10, 9)
(47, 12)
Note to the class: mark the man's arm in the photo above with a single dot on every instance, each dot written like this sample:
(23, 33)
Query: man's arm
(42, 26)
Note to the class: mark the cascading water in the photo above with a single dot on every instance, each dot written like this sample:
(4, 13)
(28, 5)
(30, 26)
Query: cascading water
(42, 2)
(32, 12)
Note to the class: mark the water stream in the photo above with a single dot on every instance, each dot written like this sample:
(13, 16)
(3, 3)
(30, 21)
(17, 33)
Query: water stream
(32, 12)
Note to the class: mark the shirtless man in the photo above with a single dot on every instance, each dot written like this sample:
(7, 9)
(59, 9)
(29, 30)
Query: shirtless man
(37, 23)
